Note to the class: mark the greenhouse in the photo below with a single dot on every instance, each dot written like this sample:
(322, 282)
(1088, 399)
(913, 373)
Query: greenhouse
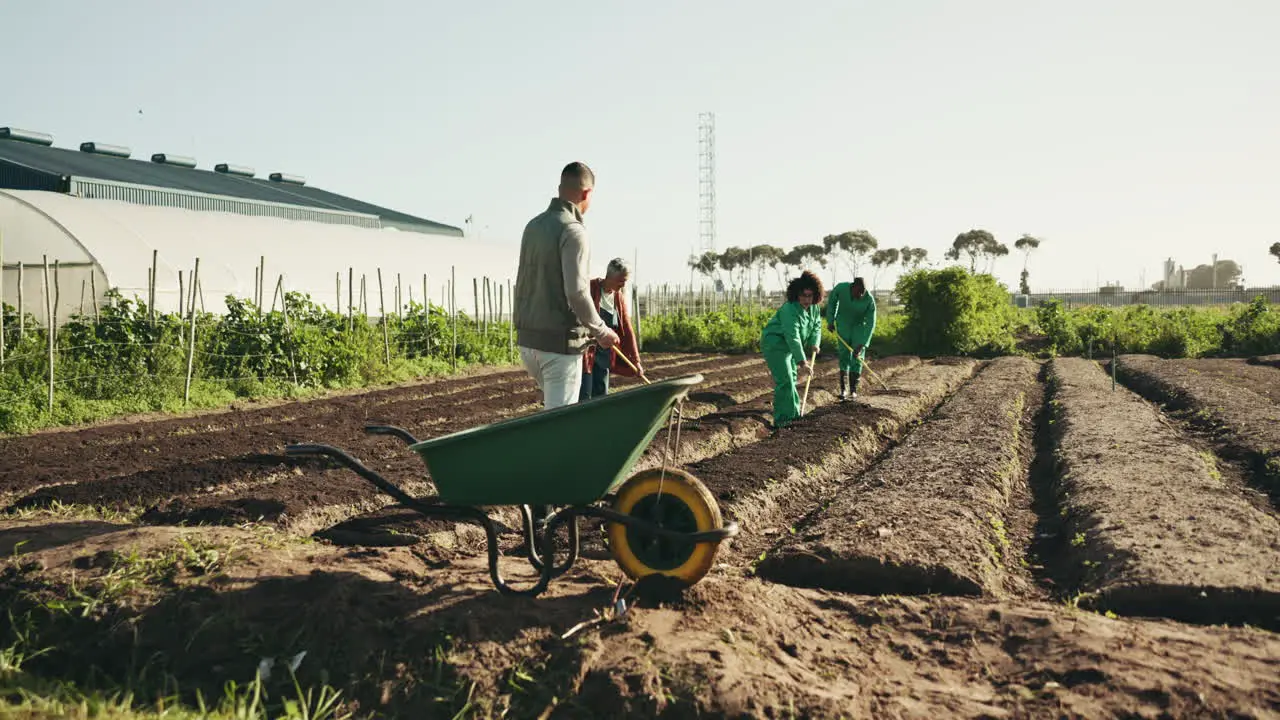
(104, 220)
(102, 244)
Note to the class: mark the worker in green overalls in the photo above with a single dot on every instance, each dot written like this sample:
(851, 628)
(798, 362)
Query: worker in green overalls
(791, 335)
(851, 315)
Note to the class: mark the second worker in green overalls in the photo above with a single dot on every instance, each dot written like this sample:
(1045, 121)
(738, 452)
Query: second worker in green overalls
(851, 315)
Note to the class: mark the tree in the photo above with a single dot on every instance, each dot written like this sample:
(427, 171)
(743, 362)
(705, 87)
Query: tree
(1026, 244)
(1275, 250)
(767, 256)
(976, 244)
(804, 257)
(912, 258)
(707, 264)
(853, 246)
(737, 262)
(881, 259)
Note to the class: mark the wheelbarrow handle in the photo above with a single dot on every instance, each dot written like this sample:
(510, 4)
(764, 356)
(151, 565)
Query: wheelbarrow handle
(392, 430)
(356, 466)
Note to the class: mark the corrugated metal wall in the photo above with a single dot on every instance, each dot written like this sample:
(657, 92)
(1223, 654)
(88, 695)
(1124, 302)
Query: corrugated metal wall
(105, 190)
(19, 177)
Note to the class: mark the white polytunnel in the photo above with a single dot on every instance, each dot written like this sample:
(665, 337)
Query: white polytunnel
(100, 244)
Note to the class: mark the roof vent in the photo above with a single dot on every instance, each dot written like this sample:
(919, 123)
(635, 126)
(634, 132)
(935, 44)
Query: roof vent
(291, 179)
(30, 136)
(179, 160)
(240, 170)
(104, 149)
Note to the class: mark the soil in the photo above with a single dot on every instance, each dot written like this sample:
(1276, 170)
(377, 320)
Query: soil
(1244, 424)
(931, 516)
(700, 437)
(417, 635)
(748, 422)
(1157, 530)
(174, 464)
(1269, 360)
(769, 486)
(1261, 379)
(414, 628)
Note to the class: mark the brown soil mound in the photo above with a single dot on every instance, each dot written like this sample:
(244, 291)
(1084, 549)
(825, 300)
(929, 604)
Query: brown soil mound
(1270, 360)
(1157, 528)
(929, 518)
(770, 485)
(414, 635)
(1244, 424)
(748, 422)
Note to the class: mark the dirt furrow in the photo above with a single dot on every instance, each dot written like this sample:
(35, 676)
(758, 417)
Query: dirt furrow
(931, 516)
(407, 633)
(181, 457)
(1243, 424)
(748, 422)
(1155, 529)
(310, 498)
(770, 485)
(1266, 360)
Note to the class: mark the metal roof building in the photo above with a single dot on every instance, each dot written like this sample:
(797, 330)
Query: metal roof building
(101, 213)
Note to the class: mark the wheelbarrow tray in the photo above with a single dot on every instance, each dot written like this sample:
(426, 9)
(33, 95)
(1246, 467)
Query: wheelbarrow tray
(571, 455)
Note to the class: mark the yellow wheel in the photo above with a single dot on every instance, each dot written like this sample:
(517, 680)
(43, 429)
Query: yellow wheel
(676, 501)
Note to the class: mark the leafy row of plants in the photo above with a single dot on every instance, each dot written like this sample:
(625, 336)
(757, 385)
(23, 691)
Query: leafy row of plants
(953, 311)
(124, 362)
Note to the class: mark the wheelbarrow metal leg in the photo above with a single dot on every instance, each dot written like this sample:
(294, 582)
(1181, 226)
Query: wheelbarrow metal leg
(569, 516)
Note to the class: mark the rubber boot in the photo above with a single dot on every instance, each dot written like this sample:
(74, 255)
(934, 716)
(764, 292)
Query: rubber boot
(844, 390)
(854, 377)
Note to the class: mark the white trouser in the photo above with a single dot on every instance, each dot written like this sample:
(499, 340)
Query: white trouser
(558, 376)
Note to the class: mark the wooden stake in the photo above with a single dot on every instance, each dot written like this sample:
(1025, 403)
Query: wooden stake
(382, 310)
(57, 300)
(2, 340)
(93, 290)
(475, 292)
(337, 291)
(453, 303)
(182, 296)
(191, 345)
(22, 313)
(48, 313)
(351, 293)
(151, 303)
(399, 299)
(262, 282)
(83, 287)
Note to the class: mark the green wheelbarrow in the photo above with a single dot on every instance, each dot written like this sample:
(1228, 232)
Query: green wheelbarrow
(661, 521)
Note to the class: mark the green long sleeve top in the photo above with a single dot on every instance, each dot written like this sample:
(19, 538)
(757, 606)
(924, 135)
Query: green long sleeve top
(796, 327)
(854, 318)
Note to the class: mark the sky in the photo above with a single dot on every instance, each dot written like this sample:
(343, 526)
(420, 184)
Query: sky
(1120, 133)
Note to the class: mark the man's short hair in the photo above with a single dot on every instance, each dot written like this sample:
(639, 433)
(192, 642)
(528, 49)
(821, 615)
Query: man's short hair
(618, 266)
(578, 176)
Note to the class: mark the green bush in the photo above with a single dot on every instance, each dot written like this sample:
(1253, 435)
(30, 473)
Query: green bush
(955, 312)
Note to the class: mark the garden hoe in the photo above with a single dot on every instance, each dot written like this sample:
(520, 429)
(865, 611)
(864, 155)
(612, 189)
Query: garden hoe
(812, 369)
(865, 365)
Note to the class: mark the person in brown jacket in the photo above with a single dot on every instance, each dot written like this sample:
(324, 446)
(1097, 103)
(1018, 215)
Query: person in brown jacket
(610, 296)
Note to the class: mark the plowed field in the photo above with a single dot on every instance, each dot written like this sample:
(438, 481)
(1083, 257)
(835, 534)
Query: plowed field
(977, 539)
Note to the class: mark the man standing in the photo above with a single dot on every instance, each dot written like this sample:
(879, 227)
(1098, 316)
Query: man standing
(610, 296)
(554, 316)
(851, 315)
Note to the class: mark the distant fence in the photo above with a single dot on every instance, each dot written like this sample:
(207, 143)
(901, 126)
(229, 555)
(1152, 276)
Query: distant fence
(1116, 297)
(659, 300)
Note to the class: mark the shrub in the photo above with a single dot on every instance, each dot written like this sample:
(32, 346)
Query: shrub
(954, 312)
